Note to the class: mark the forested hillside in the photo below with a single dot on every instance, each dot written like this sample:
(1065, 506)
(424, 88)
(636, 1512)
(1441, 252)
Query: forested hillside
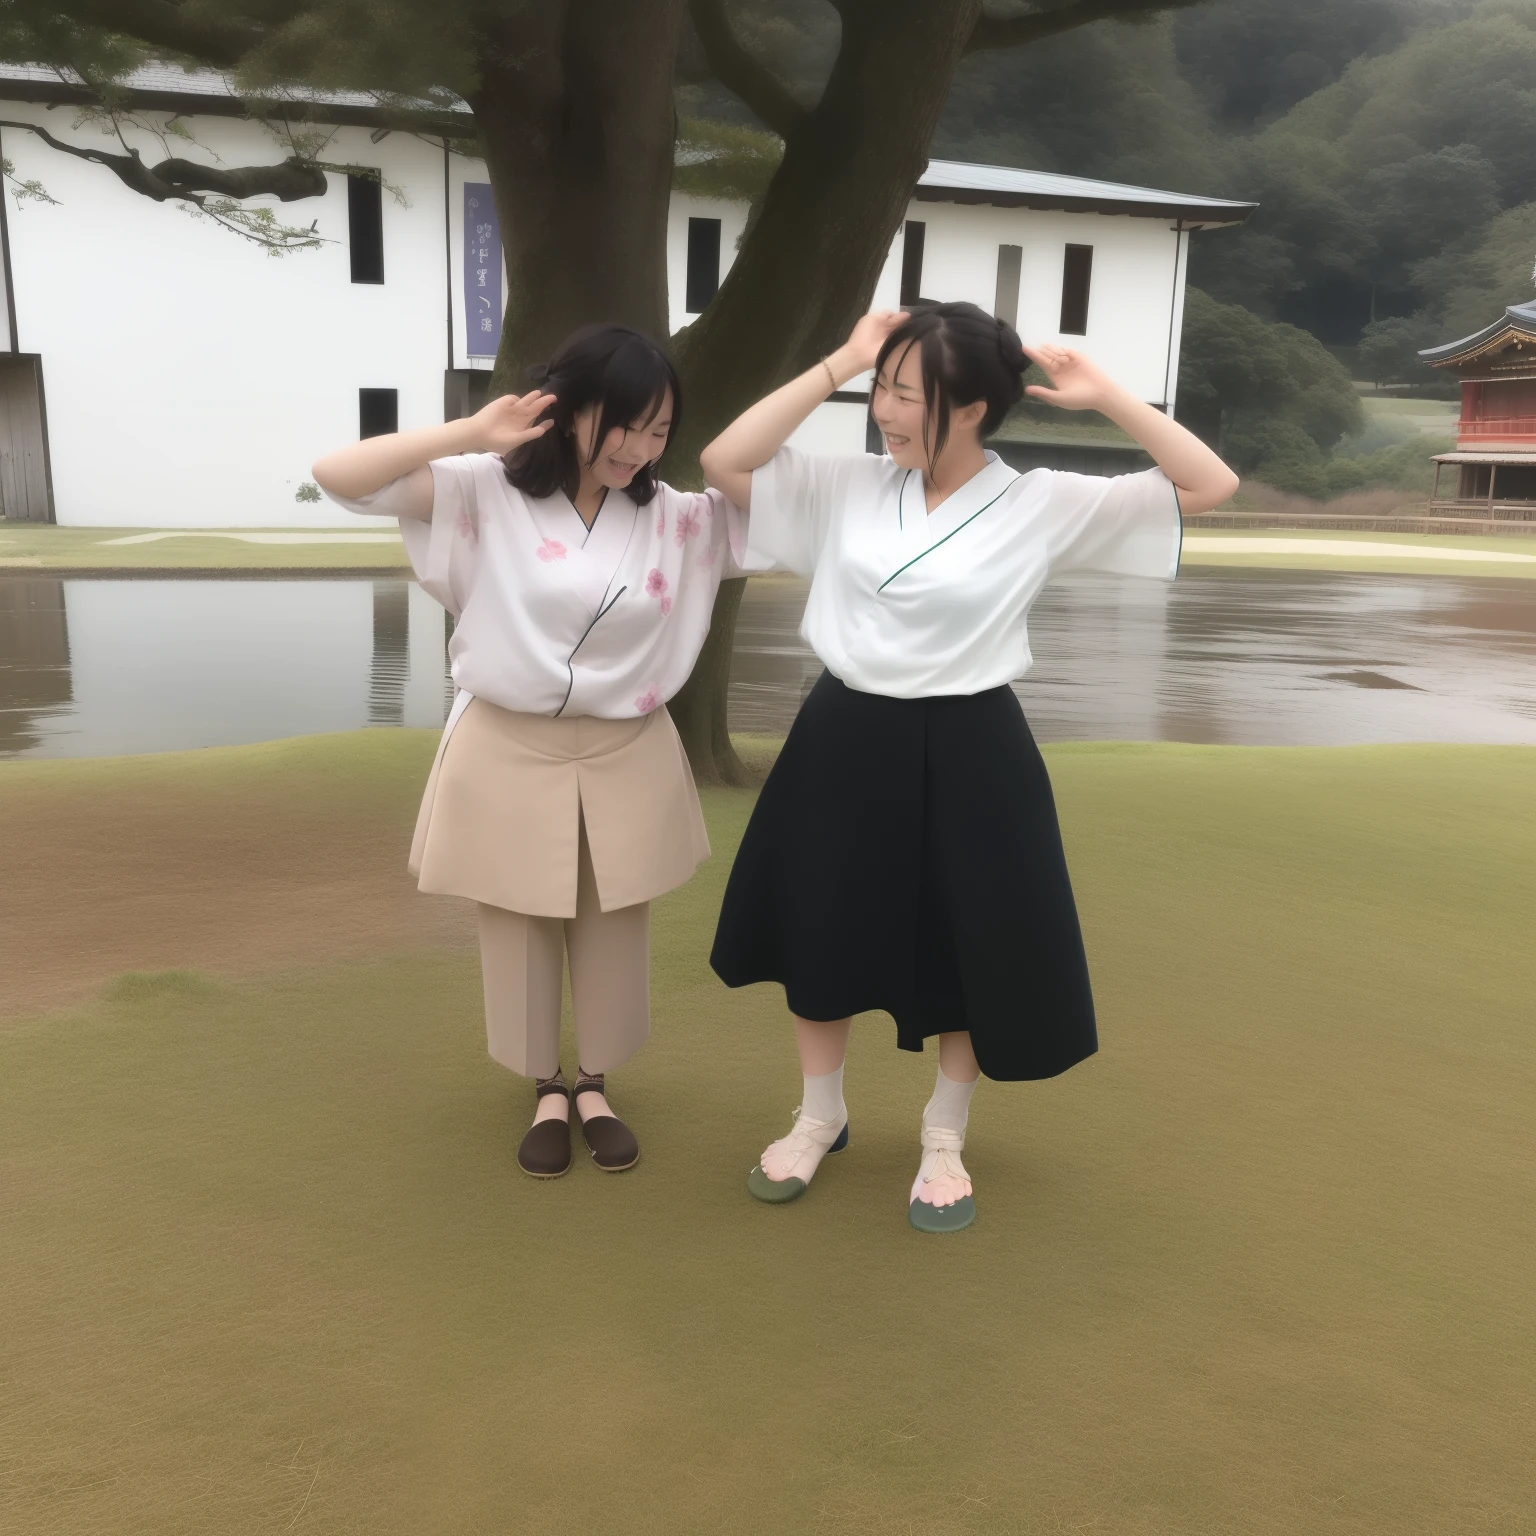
(1390, 143)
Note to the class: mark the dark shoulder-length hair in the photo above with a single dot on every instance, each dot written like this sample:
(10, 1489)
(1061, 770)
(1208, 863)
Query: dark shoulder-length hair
(621, 371)
(965, 355)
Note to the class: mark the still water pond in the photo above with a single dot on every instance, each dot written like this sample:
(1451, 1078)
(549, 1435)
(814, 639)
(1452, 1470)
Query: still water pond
(91, 667)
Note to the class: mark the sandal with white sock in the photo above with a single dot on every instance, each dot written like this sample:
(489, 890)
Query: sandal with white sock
(809, 1141)
(941, 1155)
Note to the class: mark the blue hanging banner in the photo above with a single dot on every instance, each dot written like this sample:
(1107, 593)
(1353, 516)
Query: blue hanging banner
(482, 271)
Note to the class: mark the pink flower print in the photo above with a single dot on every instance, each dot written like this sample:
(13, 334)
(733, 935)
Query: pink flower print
(666, 606)
(468, 528)
(655, 583)
(707, 559)
(551, 549)
(661, 525)
(687, 526)
(648, 700)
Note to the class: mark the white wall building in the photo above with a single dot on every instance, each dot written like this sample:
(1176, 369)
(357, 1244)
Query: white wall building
(157, 371)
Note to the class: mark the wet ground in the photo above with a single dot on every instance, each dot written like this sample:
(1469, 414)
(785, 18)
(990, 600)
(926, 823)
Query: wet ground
(90, 667)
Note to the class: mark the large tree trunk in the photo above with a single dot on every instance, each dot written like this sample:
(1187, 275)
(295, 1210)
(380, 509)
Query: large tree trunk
(808, 269)
(575, 113)
(809, 265)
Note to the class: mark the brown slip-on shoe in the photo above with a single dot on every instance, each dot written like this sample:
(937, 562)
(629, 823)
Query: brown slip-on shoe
(613, 1144)
(546, 1149)
(545, 1152)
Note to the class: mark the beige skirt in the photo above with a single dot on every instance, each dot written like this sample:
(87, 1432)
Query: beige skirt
(501, 818)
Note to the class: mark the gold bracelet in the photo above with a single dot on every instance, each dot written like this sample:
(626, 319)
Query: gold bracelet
(830, 375)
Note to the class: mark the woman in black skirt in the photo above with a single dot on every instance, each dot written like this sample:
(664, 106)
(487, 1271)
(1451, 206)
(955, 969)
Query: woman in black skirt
(904, 854)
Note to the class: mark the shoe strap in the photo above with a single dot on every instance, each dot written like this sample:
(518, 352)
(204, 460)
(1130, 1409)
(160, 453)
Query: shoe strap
(939, 1138)
(939, 1161)
(803, 1125)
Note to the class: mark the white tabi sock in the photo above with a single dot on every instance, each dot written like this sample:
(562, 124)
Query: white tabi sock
(823, 1097)
(943, 1138)
(819, 1121)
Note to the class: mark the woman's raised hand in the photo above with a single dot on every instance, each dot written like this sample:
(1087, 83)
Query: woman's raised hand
(1077, 382)
(511, 420)
(868, 336)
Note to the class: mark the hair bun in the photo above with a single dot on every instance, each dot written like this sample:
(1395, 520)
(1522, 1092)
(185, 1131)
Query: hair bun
(1009, 347)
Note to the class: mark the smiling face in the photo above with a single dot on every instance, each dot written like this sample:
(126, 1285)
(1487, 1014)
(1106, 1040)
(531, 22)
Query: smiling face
(902, 414)
(625, 451)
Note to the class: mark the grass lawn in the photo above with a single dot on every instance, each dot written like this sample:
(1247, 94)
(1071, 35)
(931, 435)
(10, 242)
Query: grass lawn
(45, 547)
(1305, 549)
(1433, 416)
(1261, 1266)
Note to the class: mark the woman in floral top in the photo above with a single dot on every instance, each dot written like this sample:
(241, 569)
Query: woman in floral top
(561, 800)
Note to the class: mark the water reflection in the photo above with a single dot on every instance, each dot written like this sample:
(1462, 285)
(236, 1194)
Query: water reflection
(93, 667)
(1249, 657)
(90, 667)
(35, 682)
(391, 654)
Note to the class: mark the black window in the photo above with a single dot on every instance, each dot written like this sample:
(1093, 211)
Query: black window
(703, 263)
(365, 228)
(1010, 261)
(912, 236)
(378, 412)
(1076, 279)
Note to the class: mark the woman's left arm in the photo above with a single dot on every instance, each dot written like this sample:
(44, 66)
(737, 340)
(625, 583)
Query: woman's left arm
(1079, 384)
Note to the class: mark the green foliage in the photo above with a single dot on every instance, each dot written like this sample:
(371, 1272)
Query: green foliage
(1415, 207)
(1407, 153)
(724, 160)
(1279, 405)
(32, 32)
(1406, 466)
(1469, 83)
(1253, 59)
(30, 190)
(400, 49)
(307, 491)
(1104, 100)
(1273, 399)
(1471, 282)
(1389, 350)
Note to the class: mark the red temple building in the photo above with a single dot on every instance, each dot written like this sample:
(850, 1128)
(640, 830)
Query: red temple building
(1495, 457)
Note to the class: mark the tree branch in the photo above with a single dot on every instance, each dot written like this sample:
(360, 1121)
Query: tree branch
(289, 181)
(1034, 26)
(184, 180)
(736, 69)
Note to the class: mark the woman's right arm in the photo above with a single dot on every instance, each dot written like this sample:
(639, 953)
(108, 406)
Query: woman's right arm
(368, 466)
(759, 432)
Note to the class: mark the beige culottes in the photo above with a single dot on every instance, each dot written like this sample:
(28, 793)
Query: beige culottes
(562, 831)
(522, 960)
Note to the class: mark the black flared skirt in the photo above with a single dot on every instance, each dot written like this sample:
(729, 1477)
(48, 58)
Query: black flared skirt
(904, 856)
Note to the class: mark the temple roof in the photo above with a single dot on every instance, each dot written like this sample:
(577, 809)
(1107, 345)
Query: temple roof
(1518, 320)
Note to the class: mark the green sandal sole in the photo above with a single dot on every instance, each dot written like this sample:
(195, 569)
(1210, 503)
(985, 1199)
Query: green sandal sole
(942, 1218)
(774, 1191)
(782, 1191)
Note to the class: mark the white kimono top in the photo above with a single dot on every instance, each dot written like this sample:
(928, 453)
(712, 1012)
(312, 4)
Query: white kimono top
(913, 604)
(554, 619)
